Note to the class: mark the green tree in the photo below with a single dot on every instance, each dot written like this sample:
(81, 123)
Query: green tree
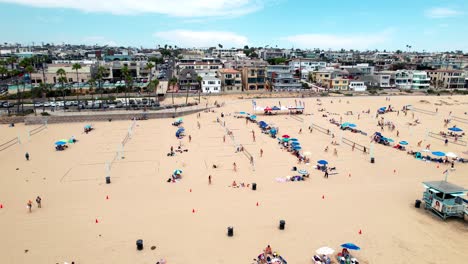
(128, 83)
(152, 87)
(76, 67)
(62, 79)
(101, 73)
(173, 82)
(30, 69)
(199, 81)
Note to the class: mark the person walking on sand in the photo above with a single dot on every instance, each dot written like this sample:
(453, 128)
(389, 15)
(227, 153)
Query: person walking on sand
(300, 131)
(354, 145)
(335, 152)
(209, 180)
(29, 204)
(261, 153)
(397, 133)
(224, 139)
(38, 201)
(326, 174)
(26, 156)
(198, 125)
(189, 138)
(251, 160)
(234, 166)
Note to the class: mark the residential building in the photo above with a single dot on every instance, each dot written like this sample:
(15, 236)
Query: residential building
(405, 79)
(137, 69)
(307, 64)
(283, 81)
(241, 63)
(254, 78)
(206, 64)
(267, 54)
(188, 80)
(363, 68)
(231, 80)
(331, 79)
(357, 86)
(211, 85)
(447, 79)
(277, 69)
(225, 53)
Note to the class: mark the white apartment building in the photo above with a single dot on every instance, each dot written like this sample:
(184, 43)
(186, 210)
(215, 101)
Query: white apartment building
(405, 79)
(363, 67)
(306, 64)
(224, 53)
(211, 85)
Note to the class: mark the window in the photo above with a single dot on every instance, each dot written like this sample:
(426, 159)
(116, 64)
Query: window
(204, 82)
(252, 72)
(211, 82)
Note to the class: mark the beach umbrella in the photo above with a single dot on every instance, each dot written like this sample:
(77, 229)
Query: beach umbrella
(294, 139)
(267, 109)
(285, 139)
(87, 126)
(307, 153)
(177, 172)
(351, 246)
(450, 155)
(438, 153)
(390, 140)
(404, 143)
(382, 108)
(322, 162)
(455, 129)
(242, 113)
(352, 125)
(60, 143)
(325, 251)
(285, 136)
(276, 108)
(297, 147)
(295, 143)
(303, 172)
(253, 117)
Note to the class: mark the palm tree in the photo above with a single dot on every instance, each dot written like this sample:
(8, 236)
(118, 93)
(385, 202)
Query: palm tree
(62, 80)
(199, 80)
(92, 84)
(101, 72)
(173, 81)
(30, 69)
(44, 87)
(128, 80)
(76, 67)
(152, 86)
(150, 66)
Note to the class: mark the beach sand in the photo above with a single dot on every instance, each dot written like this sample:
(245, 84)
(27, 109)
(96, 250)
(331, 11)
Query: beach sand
(142, 205)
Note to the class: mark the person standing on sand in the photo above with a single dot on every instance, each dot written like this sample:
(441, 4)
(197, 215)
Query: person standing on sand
(251, 160)
(261, 153)
(234, 166)
(224, 139)
(397, 133)
(354, 145)
(198, 125)
(300, 131)
(26, 156)
(38, 201)
(209, 180)
(326, 174)
(29, 204)
(189, 138)
(335, 152)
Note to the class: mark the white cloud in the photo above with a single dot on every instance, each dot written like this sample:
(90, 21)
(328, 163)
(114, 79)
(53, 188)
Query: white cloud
(189, 39)
(98, 40)
(336, 41)
(442, 12)
(181, 8)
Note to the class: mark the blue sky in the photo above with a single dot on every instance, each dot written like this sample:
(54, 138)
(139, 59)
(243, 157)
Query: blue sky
(432, 25)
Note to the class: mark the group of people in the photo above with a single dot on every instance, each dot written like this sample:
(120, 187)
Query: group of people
(268, 256)
(38, 201)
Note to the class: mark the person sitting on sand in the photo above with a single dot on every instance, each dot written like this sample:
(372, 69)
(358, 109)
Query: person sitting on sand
(326, 149)
(268, 250)
(234, 184)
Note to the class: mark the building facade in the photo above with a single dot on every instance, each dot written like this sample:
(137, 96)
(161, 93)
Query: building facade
(254, 78)
(405, 79)
(231, 80)
(188, 80)
(211, 85)
(447, 79)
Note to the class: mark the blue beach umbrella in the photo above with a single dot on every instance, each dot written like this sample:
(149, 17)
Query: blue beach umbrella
(276, 108)
(285, 139)
(351, 246)
(177, 172)
(322, 162)
(295, 143)
(253, 117)
(438, 153)
(455, 129)
(297, 147)
(242, 113)
(352, 125)
(404, 143)
(294, 139)
(60, 143)
(87, 126)
(303, 172)
(390, 140)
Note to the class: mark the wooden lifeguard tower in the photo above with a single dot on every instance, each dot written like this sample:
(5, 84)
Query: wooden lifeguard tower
(444, 199)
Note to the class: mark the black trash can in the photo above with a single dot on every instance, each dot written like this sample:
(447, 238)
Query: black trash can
(417, 204)
(230, 231)
(254, 186)
(282, 224)
(372, 160)
(139, 244)
(108, 181)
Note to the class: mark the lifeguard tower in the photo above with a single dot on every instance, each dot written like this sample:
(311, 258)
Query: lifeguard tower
(445, 199)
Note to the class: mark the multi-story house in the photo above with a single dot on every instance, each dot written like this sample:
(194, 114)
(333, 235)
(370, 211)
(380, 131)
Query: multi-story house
(224, 53)
(363, 68)
(254, 78)
(188, 80)
(137, 69)
(211, 85)
(231, 80)
(306, 64)
(283, 81)
(267, 54)
(206, 64)
(331, 79)
(447, 79)
(242, 63)
(405, 79)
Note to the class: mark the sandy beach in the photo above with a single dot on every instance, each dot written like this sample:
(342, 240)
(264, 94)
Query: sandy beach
(187, 221)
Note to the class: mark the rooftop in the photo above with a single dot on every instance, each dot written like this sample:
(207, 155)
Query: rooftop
(232, 71)
(445, 187)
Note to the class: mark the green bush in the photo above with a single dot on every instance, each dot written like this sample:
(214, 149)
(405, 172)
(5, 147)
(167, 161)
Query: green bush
(45, 114)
